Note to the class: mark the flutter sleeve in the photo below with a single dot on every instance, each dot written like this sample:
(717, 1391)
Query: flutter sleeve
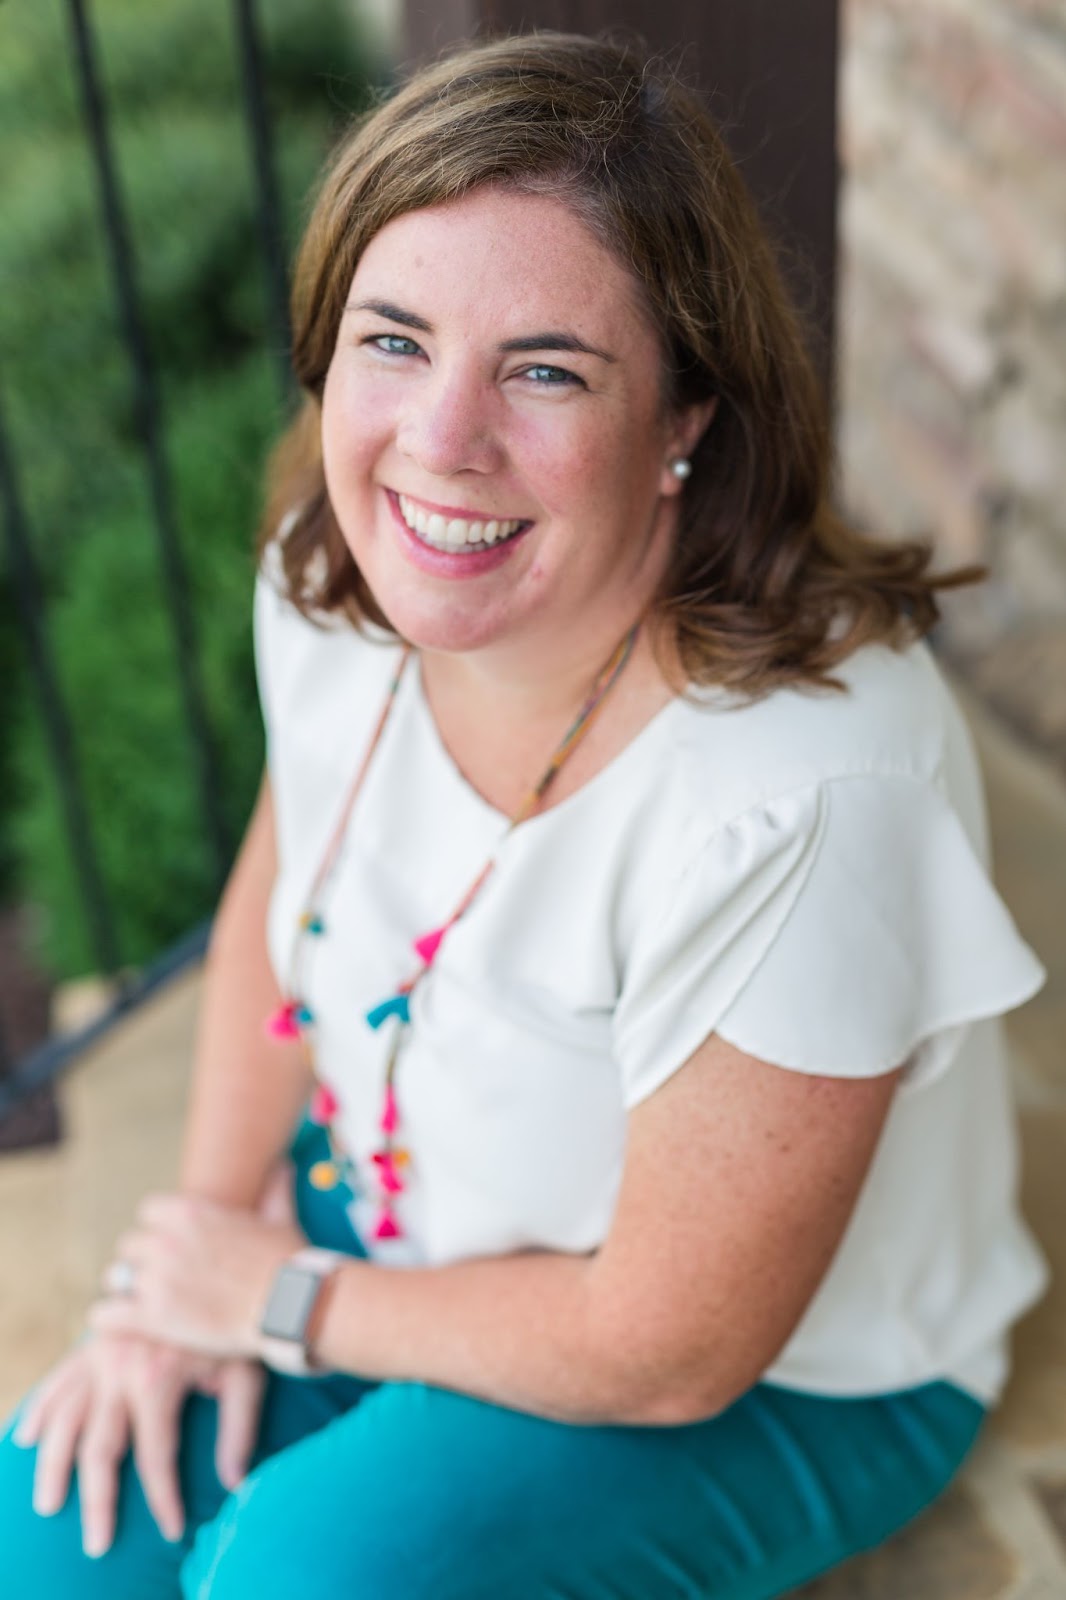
(843, 929)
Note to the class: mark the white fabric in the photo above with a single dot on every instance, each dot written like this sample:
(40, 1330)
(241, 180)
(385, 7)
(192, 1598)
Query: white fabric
(806, 876)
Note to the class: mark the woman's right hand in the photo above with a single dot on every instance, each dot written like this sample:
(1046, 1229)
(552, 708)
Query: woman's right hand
(108, 1391)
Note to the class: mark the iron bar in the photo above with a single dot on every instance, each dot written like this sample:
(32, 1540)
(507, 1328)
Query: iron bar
(268, 209)
(44, 1065)
(148, 417)
(29, 603)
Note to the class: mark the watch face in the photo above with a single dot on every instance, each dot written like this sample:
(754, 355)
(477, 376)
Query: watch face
(290, 1304)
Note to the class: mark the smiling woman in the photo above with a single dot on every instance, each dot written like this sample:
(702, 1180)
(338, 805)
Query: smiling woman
(618, 892)
(573, 458)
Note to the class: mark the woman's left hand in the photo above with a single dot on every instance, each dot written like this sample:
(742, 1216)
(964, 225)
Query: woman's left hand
(198, 1275)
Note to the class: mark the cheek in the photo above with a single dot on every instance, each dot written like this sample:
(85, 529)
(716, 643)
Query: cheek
(572, 466)
(355, 422)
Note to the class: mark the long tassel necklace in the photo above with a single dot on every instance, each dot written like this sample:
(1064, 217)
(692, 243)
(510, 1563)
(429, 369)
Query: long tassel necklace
(294, 1018)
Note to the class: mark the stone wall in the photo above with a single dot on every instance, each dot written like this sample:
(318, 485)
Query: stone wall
(952, 357)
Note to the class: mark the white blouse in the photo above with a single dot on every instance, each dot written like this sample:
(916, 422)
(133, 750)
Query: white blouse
(806, 877)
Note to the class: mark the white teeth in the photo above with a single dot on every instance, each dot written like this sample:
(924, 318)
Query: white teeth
(456, 533)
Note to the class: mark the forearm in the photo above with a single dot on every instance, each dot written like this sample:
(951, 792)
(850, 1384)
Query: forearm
(527, 1331)
(247, 1089)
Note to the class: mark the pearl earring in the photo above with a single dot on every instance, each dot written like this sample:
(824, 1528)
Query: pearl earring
(681, 467)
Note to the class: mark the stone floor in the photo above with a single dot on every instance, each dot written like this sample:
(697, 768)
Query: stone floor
(999, 1534)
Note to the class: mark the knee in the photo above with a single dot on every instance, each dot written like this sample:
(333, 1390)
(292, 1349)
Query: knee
(249, 1551)
(41, 1555)
(44, 1555)
(275, 1537)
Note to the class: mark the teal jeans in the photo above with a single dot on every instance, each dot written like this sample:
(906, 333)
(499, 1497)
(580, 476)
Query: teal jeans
(403, 1491)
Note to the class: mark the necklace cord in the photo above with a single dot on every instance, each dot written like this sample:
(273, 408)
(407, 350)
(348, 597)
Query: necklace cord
(295, 1018)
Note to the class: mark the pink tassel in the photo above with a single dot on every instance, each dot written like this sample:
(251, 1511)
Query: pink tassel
(389, 1178)
(387, 1227)
(282, 1023)
(429, 943)
(324, 1105)
(390, 1116)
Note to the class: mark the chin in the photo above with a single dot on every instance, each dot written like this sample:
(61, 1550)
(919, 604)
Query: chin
(450, 629)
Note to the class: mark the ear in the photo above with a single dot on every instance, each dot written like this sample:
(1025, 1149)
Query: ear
(687, 430)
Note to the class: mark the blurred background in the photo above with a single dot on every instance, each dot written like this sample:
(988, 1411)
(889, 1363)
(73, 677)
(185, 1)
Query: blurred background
(155, 164)
(142, 377)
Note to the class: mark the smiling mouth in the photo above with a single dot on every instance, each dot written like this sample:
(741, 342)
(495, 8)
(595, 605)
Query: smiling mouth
(456, 534)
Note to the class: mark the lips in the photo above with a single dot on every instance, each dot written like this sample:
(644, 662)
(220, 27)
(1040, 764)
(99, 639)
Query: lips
(457, 532)
(458, 560)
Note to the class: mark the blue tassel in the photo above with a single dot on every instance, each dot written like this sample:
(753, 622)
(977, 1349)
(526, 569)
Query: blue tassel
(304, 1015)
(398, 1006)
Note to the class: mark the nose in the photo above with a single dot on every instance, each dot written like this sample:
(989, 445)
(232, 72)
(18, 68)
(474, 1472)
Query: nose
(449, 425)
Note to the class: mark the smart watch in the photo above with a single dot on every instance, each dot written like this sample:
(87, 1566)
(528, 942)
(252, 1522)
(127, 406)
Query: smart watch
(293, 1309)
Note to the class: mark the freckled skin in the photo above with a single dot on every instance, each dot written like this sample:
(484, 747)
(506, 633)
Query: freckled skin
(454, 421)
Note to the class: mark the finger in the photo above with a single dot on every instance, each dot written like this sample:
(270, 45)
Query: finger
(171, 1213)
(240, 1400)
(156, 1415)
(119, 1277)
(122, 1315)
(40, 1401)
(100, 1453)
(55, 1456)
(135, 1245)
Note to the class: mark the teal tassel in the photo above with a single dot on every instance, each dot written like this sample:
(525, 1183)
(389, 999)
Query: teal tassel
(398, 1006)
(304, 1015)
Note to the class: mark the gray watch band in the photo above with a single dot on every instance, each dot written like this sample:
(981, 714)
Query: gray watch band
(283, 1326)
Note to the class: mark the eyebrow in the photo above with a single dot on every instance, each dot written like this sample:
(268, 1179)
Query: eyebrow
(548, 340)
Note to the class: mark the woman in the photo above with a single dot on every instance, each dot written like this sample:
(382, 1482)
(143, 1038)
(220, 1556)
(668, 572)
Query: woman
(634, 923)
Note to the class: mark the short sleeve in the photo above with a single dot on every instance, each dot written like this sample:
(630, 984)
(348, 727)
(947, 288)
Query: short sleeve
(843, 929)
(265, 605)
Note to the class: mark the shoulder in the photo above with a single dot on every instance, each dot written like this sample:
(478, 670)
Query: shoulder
(892, 719)
(319, 659)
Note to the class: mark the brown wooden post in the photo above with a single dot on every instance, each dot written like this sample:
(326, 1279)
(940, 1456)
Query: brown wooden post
(769, 71)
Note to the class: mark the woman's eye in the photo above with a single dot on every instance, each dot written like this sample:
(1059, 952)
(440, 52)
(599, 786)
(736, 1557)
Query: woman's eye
(551, 377)
(393, 344)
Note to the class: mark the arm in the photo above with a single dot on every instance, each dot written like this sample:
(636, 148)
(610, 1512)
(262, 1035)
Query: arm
(739, 1181)
(247, 1090)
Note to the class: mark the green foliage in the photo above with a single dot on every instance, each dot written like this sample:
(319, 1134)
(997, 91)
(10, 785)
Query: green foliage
(172, 78)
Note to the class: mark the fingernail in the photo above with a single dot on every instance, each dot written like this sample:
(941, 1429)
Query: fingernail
(44, 1506)
(23, 1437)
(95, 1545)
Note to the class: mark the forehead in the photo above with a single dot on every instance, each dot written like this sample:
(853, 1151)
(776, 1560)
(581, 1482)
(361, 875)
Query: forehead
(500, 254)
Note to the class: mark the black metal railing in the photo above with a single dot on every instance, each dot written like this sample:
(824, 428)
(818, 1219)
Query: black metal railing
(23, 1077)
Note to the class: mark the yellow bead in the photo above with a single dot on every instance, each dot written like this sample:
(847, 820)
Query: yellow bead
(323, 1175)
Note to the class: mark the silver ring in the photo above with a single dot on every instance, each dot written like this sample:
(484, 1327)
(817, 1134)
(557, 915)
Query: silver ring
(121, 1278)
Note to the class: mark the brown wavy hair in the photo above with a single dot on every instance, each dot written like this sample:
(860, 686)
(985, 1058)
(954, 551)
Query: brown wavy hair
(763, 567)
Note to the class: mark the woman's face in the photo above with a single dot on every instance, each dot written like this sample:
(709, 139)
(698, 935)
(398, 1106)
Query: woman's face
(494, 442)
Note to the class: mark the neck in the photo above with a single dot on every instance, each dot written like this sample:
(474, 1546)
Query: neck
(505, 685)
